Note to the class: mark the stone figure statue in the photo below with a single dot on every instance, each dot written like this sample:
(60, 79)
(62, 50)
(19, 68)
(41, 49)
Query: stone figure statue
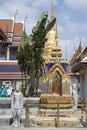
(16, 106)
(75, 93)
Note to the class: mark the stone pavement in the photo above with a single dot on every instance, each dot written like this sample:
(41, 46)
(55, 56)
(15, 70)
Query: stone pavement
(38, 128)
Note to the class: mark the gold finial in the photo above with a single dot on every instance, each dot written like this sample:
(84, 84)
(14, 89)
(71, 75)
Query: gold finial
(80, 43)
(25, 22)
(57, 42)
(52, 10)
(66, 52)
(56, 31)
(14, 23)
(15, 14)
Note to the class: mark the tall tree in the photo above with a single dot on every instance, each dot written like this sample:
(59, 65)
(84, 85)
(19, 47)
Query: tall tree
(30, 51)
(25, 56)
(39, 38)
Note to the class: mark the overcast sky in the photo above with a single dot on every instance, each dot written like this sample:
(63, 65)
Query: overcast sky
(71, 18)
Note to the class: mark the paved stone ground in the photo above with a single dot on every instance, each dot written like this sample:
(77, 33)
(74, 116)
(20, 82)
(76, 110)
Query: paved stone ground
(38, 128)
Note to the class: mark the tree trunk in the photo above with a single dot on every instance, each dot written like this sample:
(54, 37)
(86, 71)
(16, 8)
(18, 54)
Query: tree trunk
(22, 86)
(37, 84)
(32, 80)
(26, 82)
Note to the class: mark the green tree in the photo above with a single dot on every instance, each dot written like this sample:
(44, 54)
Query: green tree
(39, 38)
(25, 57)
(30, 51)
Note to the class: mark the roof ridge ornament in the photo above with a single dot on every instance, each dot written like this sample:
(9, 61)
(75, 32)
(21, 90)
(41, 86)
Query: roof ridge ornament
(52, 10)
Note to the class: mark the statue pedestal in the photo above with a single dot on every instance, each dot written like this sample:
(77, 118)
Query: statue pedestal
(56, 111)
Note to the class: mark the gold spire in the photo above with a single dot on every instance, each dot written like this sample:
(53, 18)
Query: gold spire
(52, 46)
(25, 22)
(80, 43)
(56, 31)
(52, 10)
(66, 58)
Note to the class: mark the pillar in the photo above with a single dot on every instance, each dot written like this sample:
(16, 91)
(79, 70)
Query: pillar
(85, 85)
(86, 111)
(8, 53)
(51, 85)
(63, 87)
(81, 86)
(68, 87)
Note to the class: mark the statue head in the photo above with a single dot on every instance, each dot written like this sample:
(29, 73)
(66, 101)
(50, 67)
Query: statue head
(17, 88)
(74, 86)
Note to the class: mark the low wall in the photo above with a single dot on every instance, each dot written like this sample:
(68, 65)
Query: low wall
(5, 109)
(7, 100)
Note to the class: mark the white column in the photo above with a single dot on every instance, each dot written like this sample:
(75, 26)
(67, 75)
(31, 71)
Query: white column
(68, 87)
(8, 53)
(85, 85)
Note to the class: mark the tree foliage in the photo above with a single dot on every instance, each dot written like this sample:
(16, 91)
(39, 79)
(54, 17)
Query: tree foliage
(30, 50)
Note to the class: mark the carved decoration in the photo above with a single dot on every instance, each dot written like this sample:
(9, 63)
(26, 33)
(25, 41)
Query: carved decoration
(57, 68)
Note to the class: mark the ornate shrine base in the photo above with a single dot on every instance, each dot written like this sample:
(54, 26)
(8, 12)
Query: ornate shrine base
(55, 111)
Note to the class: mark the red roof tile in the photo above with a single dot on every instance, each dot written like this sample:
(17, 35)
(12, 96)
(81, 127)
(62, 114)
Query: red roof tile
(18, 28)
(9, 73)
(6, 25)
(15, 43)
(9, 77)
(16, 39)
(9, 63)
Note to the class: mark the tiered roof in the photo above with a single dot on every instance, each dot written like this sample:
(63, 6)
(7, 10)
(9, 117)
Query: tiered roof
(13, 30)
(80, 60)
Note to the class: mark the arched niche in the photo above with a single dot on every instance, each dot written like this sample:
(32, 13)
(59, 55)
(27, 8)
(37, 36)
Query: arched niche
(58, 82)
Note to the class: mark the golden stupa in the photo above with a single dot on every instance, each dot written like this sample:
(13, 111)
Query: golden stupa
(56, 78)
(56, 83)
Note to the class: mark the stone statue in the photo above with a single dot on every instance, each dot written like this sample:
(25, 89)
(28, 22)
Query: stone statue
(16, 106)
(75, 93)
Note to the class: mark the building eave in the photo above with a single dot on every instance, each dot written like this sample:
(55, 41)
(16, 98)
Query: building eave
(77, 66)
(2, 35)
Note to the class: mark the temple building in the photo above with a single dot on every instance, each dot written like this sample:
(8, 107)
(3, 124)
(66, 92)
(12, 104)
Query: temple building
(79, 66)
(11, 36)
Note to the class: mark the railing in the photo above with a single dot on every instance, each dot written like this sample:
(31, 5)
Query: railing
(80, 113)
(33, 105)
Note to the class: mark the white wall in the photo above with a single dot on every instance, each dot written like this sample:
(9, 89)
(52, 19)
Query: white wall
(81, 86)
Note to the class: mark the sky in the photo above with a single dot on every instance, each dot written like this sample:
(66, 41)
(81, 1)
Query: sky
(71, 19)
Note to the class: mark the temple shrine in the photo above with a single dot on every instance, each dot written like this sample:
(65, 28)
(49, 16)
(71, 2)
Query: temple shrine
(56, 71)
(56, 99)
